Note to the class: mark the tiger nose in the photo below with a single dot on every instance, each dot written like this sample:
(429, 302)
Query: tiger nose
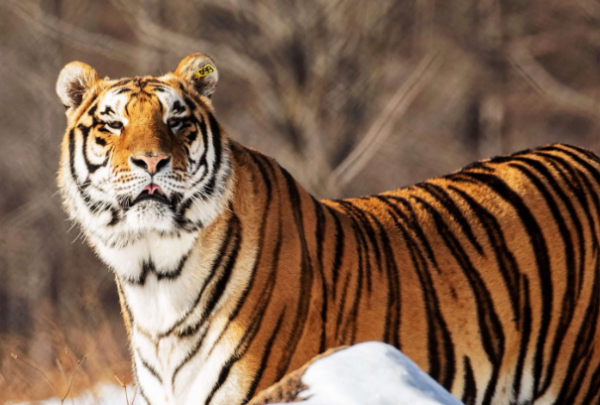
(151, 164)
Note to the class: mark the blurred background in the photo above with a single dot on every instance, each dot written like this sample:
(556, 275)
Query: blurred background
(354, 97)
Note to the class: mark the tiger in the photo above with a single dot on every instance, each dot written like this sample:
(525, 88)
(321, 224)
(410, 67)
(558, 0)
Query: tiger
(230, 274)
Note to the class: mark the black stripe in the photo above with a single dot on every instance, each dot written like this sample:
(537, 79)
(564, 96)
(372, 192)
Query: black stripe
(393, 318)
(568, 302)
(120, 82)
(263, 229)
(422, 238)
(147, 267)
(177, 107)
(247, 339)
(93, 206)
(371, 234)
(143, 394)
(209, 188)
(221, 284)
(504, 257)
(492, 335)
(525, 327)
(268, 186)
(265, 358)
(351, 320)
(361, 218)
(540, 250)
(589, 168)
(340, 312)
(216, 142)
(72, 155)
(306, 277)
(274, 268)
(469, 396)
(588, 153)
(191, 137)
(148, 367)
(85, 132)
(441, 196)
(319, 240)
(189, 356)
(172, 275)
(594, 387)
(574, 181)
(584, 344)
(204, 132)
(362, 265)
(591, 190)
(225, 248)
(440, 346)
(338, 252)
(189, 103)
(93, 108)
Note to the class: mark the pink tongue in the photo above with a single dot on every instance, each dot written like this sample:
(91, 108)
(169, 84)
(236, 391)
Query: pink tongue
(153, 188)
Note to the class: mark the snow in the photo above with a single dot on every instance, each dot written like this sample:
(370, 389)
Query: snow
(102, 394)
(371, 373)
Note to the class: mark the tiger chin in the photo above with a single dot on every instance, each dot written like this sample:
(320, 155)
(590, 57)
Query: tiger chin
(230, 274)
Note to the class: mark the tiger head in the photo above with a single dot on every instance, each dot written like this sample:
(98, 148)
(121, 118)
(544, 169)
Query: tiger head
(142, 154)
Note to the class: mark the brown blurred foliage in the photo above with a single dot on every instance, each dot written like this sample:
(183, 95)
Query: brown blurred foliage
(353, 97)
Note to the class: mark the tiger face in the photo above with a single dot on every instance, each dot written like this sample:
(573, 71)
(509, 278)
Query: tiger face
(142, 154)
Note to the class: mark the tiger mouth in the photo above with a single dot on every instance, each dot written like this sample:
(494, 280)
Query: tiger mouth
(152, 192)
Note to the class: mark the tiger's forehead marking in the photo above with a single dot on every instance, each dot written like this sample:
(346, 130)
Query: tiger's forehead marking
(116, 101)
(113, 104)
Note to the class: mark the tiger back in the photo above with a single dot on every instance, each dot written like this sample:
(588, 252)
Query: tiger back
(231, 275)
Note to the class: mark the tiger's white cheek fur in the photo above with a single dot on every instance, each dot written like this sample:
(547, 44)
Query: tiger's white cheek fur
(101, 188)
(76, 207)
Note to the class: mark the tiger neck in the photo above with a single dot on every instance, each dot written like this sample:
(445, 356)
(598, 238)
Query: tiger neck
(168, 294)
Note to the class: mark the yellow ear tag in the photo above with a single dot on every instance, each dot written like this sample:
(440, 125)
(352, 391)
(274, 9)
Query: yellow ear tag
(204, 71)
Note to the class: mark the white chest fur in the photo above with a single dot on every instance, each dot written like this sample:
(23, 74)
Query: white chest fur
(156, 278)
(167, 299)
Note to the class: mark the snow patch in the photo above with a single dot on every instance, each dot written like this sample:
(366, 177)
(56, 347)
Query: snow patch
(371, 373)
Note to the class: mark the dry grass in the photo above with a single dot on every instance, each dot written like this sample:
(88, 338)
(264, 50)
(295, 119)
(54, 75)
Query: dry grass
(62, 363)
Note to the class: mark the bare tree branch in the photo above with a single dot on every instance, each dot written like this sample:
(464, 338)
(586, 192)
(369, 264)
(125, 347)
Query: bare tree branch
(548, 86)
(29, 80)
(383, 125)
(590, 8)
(70, 385)
(16, 357)
(424, 16)
(160, 38)
(545, 43)
(76, 37)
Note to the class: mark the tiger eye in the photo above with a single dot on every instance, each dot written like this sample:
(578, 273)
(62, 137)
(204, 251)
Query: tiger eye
(115, 125)
(175, 124)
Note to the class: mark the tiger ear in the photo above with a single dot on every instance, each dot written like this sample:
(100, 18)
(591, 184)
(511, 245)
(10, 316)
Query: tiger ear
(74, 80)
(201, 71)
